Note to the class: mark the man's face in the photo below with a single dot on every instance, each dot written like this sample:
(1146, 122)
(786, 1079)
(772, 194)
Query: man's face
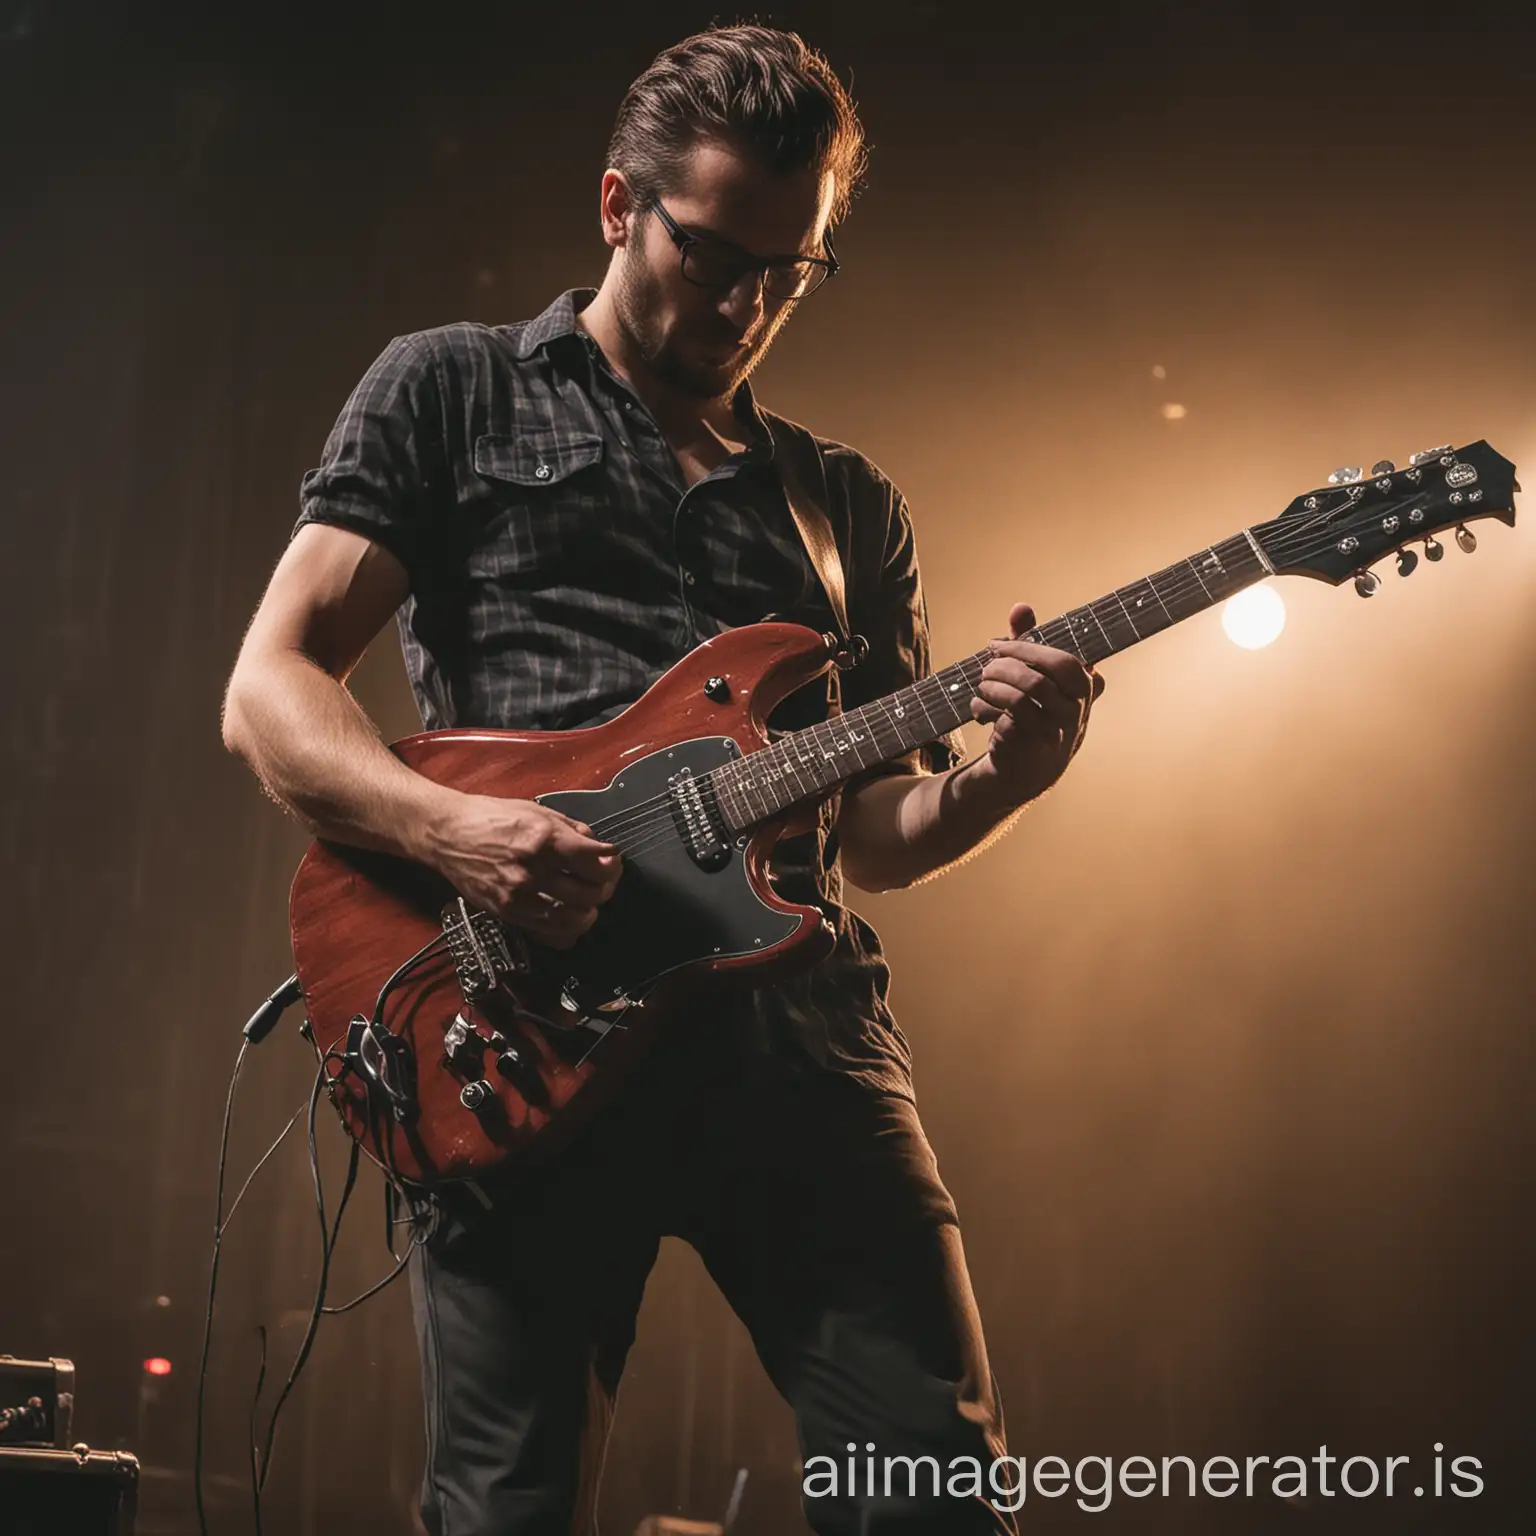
(703, 342)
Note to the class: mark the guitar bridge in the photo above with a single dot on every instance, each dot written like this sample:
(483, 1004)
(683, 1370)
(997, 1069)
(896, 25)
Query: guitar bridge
(483, 952)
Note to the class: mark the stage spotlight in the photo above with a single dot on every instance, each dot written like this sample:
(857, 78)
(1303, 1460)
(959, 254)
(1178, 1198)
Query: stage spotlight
(1254, 618)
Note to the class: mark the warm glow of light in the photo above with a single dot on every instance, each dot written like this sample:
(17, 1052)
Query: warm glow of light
(1254, 618)
(158, 1365)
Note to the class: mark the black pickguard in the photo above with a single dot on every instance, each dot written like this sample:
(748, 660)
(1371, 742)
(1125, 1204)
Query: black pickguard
(668, 909)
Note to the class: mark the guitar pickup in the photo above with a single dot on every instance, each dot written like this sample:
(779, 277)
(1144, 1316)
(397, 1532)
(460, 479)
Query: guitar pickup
(482, 950)
(697, 819)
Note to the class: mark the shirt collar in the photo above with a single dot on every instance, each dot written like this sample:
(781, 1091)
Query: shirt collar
(559, 322)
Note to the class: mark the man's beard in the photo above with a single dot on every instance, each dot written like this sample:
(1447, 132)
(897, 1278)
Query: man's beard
(637, 301)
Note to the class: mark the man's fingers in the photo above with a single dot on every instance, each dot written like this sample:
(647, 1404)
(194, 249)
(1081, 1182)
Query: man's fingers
(1040, 687)
(1034, 731)
(1036, 698)
(574, 851)
(1016, 673)
(580, 832)
(1038, 692)
(1021, 619)
(1062, 667)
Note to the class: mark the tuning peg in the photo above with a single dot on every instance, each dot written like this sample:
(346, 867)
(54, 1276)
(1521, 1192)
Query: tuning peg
(1432, 549)
(1345, 476)
(1383, 467)
(1366, 583)
(1428, 454)
(1466, 539)
(1406, 562)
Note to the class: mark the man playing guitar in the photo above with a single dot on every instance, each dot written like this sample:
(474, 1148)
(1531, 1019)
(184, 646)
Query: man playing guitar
(556, 511)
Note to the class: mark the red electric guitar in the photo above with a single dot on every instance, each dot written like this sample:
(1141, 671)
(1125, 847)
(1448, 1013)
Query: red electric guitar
(454, 1045)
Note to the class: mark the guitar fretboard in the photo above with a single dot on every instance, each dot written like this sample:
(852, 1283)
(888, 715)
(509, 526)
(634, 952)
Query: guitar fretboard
(807, 764)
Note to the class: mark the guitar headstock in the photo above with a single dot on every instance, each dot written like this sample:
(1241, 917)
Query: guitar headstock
(1344, 527)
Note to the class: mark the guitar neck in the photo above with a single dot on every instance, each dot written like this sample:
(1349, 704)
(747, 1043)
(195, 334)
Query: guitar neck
(810, 763)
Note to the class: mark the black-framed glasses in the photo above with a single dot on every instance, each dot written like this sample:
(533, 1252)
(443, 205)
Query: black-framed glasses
(711, 263)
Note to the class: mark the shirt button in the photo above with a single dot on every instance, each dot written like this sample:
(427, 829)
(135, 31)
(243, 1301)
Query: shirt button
(543, 472)
(689, 577)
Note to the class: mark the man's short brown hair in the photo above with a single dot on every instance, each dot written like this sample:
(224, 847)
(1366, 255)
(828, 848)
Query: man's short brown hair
(755, 87)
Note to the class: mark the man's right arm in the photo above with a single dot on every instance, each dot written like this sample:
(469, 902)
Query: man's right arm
(288, 714)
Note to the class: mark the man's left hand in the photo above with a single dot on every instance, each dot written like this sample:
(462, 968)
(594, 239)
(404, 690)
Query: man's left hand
(1037, 700)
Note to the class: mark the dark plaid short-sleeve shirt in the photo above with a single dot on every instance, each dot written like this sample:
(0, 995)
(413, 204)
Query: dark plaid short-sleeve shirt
(559, 564)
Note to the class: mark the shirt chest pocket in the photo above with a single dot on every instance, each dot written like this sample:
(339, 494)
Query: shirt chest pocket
(543, 495)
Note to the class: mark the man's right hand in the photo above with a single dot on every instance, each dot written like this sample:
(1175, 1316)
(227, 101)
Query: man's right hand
(527, 865)
(289, 715)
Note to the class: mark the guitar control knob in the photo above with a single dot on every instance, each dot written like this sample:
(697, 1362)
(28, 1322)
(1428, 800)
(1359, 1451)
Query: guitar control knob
(718, 689)
(1383, 467)
(1344, 476)
(1366, 583)
(510, 1062)
(1406, 562)
(1466, 540)
(476, 1096)
(1433, 550)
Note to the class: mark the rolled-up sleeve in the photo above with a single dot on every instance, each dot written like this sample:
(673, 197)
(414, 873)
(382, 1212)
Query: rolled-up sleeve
(383, 465)
(892, 615)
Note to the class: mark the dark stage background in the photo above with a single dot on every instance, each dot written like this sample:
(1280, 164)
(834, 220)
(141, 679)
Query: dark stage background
(1226, 1051)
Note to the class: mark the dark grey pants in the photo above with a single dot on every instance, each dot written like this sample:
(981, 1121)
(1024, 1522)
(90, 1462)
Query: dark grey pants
(816, 1206)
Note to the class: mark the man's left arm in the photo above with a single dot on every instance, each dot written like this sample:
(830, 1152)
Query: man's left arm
(902, 828)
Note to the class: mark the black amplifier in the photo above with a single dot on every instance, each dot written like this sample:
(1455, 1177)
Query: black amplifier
(37, 1401)
(48, 1492)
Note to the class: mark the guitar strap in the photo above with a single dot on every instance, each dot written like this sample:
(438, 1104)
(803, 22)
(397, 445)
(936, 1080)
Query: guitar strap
(792, 446)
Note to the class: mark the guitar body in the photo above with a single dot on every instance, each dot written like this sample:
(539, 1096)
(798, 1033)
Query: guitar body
(464, 1076)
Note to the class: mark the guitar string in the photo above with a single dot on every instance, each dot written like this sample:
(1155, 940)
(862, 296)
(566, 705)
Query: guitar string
(654, 815)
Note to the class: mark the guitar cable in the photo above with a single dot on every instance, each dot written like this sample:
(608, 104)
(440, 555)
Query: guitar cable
(221, 1220)
(330, 1232)
(257, 1029)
